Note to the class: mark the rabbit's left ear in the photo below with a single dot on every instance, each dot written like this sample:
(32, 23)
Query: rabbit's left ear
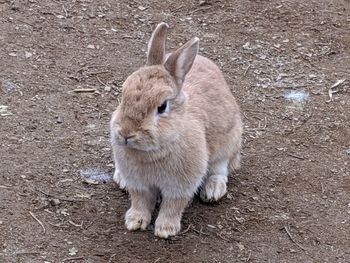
(180, 62)
(156, 45)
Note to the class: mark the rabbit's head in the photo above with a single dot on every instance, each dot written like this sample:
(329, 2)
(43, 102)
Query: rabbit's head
(152, 102)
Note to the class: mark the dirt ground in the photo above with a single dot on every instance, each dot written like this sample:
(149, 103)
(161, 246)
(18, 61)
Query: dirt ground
(290, 202)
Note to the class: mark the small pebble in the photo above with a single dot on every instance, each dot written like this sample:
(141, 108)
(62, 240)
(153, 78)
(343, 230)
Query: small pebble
(28, 54)
(59, 120)
(55, 202)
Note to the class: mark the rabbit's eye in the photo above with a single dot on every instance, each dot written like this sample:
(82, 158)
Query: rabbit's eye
(162, 108)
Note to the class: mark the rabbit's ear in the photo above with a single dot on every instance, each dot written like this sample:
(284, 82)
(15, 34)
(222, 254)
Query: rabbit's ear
(156, 45)
(180, 62)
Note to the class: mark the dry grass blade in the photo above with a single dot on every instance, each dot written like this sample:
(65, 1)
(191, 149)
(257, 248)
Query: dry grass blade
(83, 90)
(295, 156)
(223, 238)
(246, 71)
(101, 82)
(36, 219)
(111, 258)
(5, 186)
(292, 239)
(28, 253)
(250, 254)
(186, 230)
(331, 91)
(75, 224)
(73, 258)
(61, 198)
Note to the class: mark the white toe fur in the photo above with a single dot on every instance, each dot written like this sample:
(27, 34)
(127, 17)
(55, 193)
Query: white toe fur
(166, 228)
(215, 185)
(135, 220)
(214, 188)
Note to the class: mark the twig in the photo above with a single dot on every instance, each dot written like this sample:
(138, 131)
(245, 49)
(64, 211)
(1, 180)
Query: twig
(28, 253)
(65, 11)
(42, 225)
(5, 186)
(331, 91)
(246, 71)
(255, 129)
(265, 124)
(245, 116)
(61, 198)
(330, 94)
(322, 187)
(111, 257)
(291, 87)
(57, 225)
(97, 72)
(250, 254)
(292, 239)
(223, 238)
(341, 81)
(24, 22)
(257, 111)
(186, 230)
(177, 8)
(83, 90)
(308, 61)
(86, 67)
(73, 258)
(102, 83)
(75, 224)
(127, 36)
(156, 260)
(200, 9)
(199, 232)
(295, 156)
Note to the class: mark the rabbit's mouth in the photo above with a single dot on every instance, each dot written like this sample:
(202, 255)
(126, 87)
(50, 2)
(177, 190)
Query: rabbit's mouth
(141, 147)
(136, 145)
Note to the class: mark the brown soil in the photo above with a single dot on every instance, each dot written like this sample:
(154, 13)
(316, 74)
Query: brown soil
(290, 202)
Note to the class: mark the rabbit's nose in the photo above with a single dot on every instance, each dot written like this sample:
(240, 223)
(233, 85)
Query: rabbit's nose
(126, 135)
(126, 138)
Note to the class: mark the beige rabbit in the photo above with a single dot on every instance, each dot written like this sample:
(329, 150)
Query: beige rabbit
(177, 130)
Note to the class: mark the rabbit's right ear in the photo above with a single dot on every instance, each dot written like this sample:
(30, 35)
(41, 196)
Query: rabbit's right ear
(156, 45)
(180, 62)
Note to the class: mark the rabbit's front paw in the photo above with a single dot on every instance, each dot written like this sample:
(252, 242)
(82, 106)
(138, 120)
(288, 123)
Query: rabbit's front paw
(135, 219)
(214, 188)
(166, 227)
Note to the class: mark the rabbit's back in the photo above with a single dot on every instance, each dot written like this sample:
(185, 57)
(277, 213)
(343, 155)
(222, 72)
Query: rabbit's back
(211, 100)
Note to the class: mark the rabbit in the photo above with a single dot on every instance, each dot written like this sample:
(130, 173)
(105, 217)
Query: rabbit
(176, 131)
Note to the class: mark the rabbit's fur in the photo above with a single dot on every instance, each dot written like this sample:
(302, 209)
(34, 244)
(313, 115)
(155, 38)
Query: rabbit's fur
(189, 146)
